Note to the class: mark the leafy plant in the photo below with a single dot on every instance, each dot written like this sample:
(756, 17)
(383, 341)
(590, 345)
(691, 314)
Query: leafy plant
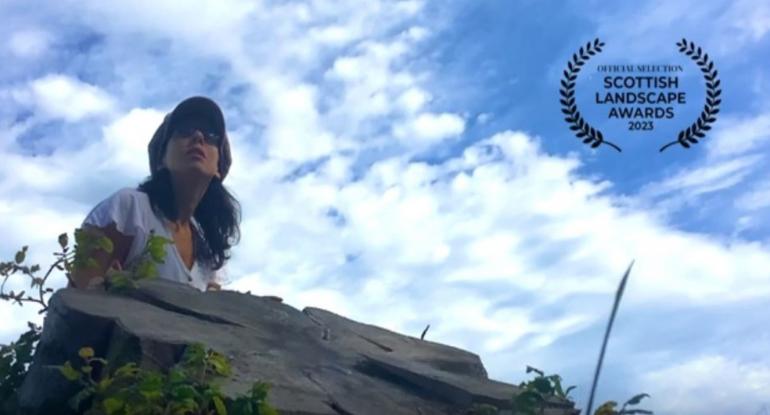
(143, 268)
(15, 359)
(532, 399)
(534, 393)
(608, 408)
(188, 387)
(81, 257)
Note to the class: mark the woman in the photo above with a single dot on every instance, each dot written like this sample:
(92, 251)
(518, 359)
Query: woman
(183, 200)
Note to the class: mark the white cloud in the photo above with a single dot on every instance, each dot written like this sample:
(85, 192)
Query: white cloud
(483, 118)
(486, 227)
(29, 43)
(218, 33)
(19, 174)
(371, 82)
(417, 33)
(734, 160)
(738, 136)
(758, 197)
(294, 131)
(125, 143)
(430, 128)
(708, 384)
(732, 26)
(333, 35)
(413, 99)
(709, 178)
(747, 20)
(60, 96)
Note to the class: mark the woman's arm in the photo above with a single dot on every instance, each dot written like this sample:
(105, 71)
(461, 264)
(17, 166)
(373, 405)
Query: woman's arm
(121, 243)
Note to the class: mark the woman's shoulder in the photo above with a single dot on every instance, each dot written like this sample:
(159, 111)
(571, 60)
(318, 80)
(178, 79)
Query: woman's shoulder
(126, 207)
(129, 198)
(127, 195)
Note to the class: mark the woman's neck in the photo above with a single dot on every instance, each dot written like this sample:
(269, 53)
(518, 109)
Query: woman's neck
(188, 192)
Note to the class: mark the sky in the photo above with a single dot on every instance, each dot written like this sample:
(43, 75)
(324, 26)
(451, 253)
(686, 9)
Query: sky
(406, 163)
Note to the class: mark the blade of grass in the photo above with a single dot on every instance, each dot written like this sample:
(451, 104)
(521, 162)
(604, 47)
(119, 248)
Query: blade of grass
(618, 296)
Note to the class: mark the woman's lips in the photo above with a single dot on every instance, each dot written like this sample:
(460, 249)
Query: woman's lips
(196, 154)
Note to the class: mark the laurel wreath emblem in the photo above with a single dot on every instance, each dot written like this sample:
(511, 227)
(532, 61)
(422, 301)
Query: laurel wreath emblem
(594, 137)
(707, 116)
(582, 128)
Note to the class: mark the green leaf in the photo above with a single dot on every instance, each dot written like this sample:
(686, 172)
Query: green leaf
(194, 356)
(21, 255)
(145, 270)
(112, 405)
(185, 405)
(556, 380)
(219, 405)
(532, 369)
(86, 353)
(526, 402)
(637, 398)
(91, 263)
(76, 400)
(259, 390)
(183, 392)
(152, 382)
(607, 408)
(103, 384)
(105, 243)
(265, 409)
(121, 281)
(176, 375)
(542, 385)
(150, 271)
(127, 370)
(220, 364)
(156, 247)
(69, 372)
(63, 240)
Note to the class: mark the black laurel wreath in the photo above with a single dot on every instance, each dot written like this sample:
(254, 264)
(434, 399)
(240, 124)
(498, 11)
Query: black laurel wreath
(574, 119)
(707, 116)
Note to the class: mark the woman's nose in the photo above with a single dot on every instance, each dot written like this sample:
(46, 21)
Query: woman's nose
(198, 136)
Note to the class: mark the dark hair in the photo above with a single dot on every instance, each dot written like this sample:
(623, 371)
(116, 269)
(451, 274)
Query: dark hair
(218, 213)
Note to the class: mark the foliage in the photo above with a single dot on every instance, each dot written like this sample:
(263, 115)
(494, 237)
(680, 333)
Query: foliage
(145, 267)
(535, 393)
(608, 408)
(15, 359)
(187, 388)
(81, 257)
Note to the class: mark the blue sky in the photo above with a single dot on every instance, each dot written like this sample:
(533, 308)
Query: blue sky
(406, 163)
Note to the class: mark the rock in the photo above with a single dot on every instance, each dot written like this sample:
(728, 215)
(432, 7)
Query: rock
(316, 362)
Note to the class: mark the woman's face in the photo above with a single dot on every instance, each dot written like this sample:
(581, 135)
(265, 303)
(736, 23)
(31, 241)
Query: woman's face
(193, 148)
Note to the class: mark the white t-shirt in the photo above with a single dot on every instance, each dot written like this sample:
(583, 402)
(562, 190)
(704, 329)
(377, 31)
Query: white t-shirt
(132, 214)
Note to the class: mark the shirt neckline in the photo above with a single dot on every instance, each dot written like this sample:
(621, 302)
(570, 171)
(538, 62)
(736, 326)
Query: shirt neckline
(188, 272)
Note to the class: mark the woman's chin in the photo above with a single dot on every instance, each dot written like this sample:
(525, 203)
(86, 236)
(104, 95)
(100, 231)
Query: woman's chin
(197, 172)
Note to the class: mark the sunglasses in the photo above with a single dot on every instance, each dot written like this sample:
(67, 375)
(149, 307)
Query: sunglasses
(185, 128)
